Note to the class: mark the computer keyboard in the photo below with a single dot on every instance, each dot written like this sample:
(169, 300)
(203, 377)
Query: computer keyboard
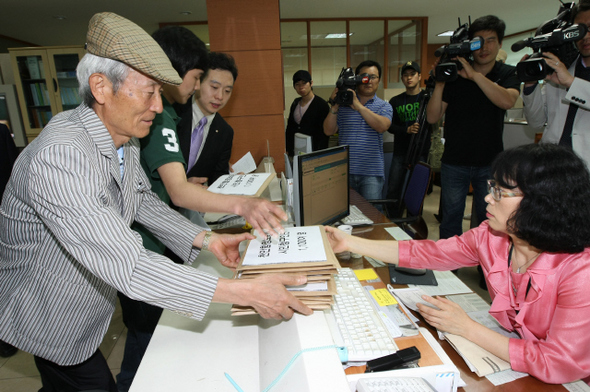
(356, 217)
(393, 384)
(354, 322)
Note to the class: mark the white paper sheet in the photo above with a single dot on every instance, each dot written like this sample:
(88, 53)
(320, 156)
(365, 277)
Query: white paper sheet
(478, 310)
(245, 164)
(398, 233)
(577, 386)
(412, 296)
(448, 284)
(295, 245)
(310, 286)
(505, 377)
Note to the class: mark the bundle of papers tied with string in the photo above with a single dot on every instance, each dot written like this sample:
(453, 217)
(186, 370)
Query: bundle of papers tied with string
(299, 251)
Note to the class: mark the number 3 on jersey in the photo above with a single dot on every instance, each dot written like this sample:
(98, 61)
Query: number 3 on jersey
(172, 144)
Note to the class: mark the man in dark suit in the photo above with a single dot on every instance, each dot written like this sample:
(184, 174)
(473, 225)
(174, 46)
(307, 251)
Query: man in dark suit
(212, 159)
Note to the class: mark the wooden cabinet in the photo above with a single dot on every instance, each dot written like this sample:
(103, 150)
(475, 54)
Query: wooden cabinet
(46, 82)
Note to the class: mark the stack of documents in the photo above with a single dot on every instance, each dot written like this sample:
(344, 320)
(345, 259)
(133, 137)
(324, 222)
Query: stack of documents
(300, 250)
(242, 184)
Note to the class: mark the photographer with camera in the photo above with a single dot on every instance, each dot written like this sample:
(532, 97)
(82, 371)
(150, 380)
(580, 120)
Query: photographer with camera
(474, 106)
(361, 124)
(563, 102)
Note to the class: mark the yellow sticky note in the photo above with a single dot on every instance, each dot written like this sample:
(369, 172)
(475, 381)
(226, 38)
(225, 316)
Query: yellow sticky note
(383, 297)
(366, 274)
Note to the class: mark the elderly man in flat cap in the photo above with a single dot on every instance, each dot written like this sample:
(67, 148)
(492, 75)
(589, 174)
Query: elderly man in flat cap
(65, 242)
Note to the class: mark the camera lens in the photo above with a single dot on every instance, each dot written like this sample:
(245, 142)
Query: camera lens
(446, 72)
(532, 69)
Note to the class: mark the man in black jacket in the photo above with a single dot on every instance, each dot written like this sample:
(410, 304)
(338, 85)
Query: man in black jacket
(403, 125)
(307, 114)
(212, 157)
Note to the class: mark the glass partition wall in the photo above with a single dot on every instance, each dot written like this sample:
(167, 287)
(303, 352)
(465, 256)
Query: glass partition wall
(324, 47)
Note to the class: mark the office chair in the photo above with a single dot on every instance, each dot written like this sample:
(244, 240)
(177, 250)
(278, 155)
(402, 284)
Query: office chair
(411, 203)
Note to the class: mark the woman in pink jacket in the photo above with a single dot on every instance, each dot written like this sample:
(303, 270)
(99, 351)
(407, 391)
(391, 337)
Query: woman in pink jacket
(534, 253)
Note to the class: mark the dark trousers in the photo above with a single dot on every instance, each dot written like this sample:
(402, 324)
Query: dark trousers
(91, 375)
(455, 182)
(141, 320)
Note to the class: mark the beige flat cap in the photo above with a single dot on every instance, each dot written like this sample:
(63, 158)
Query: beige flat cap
(114, 37)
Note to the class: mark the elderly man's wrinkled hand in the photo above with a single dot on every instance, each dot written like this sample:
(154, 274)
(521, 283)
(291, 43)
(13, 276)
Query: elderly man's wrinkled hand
(263, 215)
(226, 247)
(269, 297)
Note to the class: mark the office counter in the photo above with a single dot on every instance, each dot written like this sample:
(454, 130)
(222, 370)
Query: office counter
(190, 355)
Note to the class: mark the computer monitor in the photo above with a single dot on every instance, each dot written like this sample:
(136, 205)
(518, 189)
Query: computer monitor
(320, 186)
(302, 144)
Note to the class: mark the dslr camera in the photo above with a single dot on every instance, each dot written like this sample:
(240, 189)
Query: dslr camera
(460, 46)
(348, 80)
(556, 36)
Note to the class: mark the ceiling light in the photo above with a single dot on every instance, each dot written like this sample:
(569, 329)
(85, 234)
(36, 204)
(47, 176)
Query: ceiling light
(448, 33)
(335, 35)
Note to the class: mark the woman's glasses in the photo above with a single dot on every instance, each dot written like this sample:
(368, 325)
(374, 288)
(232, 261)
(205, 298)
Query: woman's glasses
(497, 192)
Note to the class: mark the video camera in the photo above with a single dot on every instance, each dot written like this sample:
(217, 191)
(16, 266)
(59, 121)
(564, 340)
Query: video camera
(460, 46)
(555, 36)
(348, 80)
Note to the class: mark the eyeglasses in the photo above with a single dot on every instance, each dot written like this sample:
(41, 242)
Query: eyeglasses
(373, 77)
(497, 192)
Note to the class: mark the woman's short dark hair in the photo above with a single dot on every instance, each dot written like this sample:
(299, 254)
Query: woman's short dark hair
(554, 213)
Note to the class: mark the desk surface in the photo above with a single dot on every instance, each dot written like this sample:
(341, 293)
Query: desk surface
(184, 354)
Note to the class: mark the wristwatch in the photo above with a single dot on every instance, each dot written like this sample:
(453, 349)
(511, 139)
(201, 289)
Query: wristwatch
(206, 240)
